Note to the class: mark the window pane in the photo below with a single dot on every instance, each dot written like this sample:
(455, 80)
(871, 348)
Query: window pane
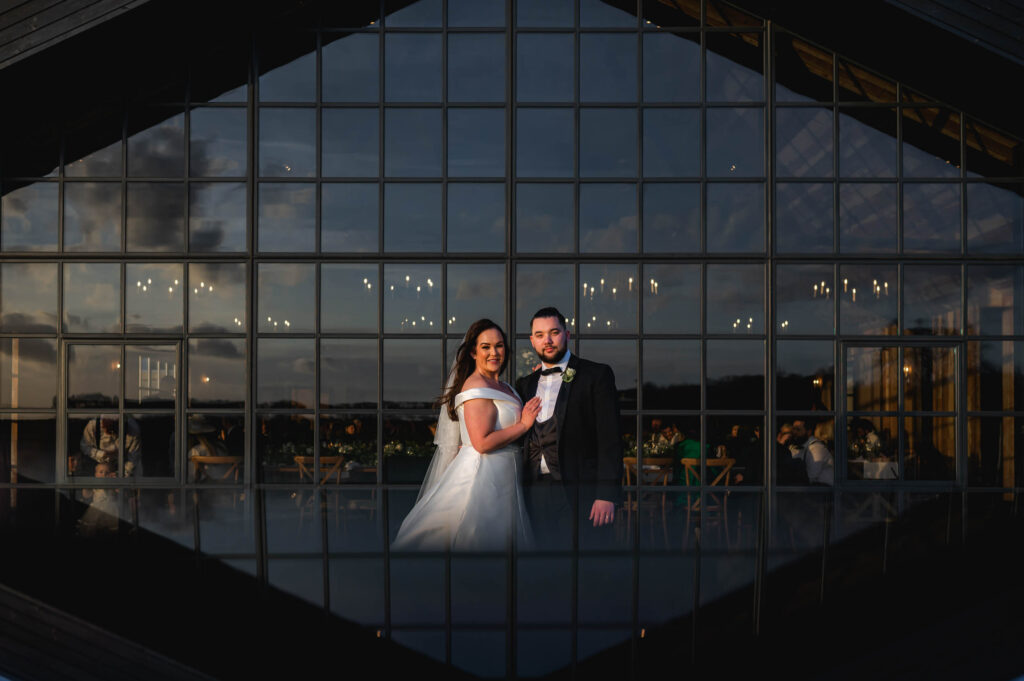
(351, 66)
(287, 217)
(287, 144)
(735, 143)
(412, 67)
(476, 218)
(92, 298)
(28, 368)
(873, 443)
(407, 448)
(476, 67)
(597, 13)
(803, 217)
(353, 437)
(350, 217)
(475, 292)
(544, 146)
(216, 373)
(671, 218)
(737, 437)
(94, 376)
(476, 13)
(734, 67)
(349, 298)
(215, 435)
(931, 142)
(98, 446)
(803, 142)
(545, 12)
(931, 217)
(156, 217)
(671, 374)
(929, 378)
(278, 441)
(671, 142)
(995, 300)
(872, 378)
(287, 297)
(218, 143)
(285, 371)
(805, 299)
(735, 374)
(868, 302)
(158, 149)
(412, 217)
(735, 299)
(155, 445)
(348, 373)
(96, 151)
(92, 216)
(216, 217)
(412, 374)
(608, 143)
(541, 286)
(412, 298)
(610, 304)
(735, 218)
(28, 217)
(153, 299)
(216, 299)
(293, 81)
(671, 67)
(993, 446)
(545, 67)
(803, 72)
(995, 218)
(351, 142)
(931, 299)
(608, 67)
(805, 375)
(868, 220)
(867, 143)
(930, 452)
(412, 142)
(32, 441)
(401, 13)
(544, 218)
(476, 142)
(608, 218)
(28, 297)
(620, 355)
(671, 298)
(991, 153)
(151, 376)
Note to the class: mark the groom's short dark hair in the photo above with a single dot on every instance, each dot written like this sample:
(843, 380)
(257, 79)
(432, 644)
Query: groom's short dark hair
(546, 312)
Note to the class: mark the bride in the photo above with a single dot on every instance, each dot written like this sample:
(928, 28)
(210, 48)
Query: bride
(471, 498)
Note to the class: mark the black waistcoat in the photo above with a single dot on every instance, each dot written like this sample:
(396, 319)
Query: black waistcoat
(543, 439)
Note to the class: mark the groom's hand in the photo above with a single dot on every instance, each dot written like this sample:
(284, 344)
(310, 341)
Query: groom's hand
(602, 512)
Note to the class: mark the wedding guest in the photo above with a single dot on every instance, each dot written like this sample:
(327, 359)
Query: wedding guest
(812, 452)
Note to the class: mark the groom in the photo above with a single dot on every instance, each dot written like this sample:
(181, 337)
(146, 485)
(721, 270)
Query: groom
(573, 452)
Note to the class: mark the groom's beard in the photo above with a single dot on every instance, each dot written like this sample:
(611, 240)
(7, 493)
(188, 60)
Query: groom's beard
(555, 359)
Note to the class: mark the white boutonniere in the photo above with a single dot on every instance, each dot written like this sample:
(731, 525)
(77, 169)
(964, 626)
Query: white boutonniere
(568, 375)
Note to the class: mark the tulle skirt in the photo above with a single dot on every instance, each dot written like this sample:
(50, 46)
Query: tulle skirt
(476, 504)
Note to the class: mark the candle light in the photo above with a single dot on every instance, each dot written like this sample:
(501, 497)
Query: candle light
(845, 282)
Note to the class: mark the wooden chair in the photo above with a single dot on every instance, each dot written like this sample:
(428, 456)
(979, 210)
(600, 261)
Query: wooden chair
(200, 463)
(713, 507)
(329, 466)
(656, 471)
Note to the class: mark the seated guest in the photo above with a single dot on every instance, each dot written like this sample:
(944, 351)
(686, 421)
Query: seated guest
(816, 457)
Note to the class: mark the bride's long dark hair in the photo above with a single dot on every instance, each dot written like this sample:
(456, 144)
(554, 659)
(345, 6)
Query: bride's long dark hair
(465, 364)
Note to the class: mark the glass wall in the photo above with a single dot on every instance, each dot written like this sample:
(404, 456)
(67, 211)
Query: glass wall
(803, 274)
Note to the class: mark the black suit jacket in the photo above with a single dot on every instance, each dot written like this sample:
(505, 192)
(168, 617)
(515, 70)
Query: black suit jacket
(589, 441)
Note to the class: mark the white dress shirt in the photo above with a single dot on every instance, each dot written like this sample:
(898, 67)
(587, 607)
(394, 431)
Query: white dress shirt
(547, 390)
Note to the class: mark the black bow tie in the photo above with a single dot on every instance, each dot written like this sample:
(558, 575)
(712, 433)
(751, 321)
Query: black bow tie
(552, 370)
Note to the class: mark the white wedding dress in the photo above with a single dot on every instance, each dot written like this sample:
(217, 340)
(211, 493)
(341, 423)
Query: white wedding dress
(476, 502)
